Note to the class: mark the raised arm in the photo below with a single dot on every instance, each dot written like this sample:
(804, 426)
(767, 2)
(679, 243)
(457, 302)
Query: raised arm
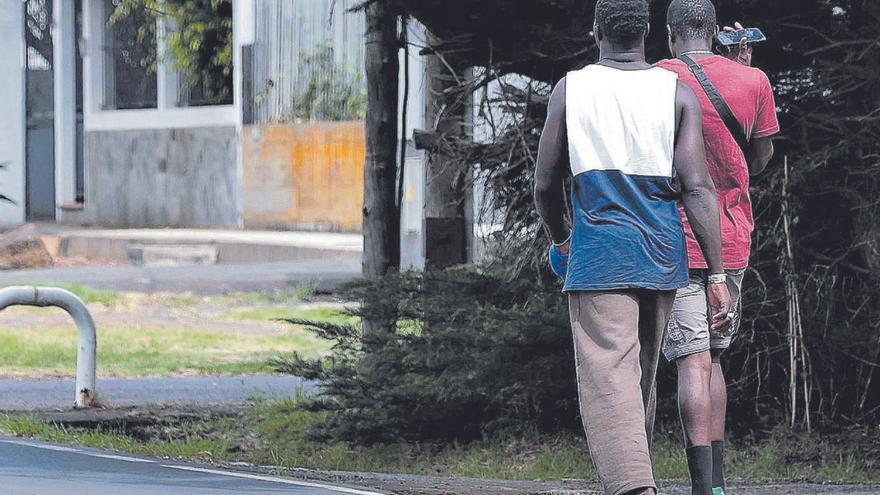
(552, 168)
(699, 197)
(760, 150)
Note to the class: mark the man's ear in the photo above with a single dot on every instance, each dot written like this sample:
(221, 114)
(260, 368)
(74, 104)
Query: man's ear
(647, 29)
(669, 33)
(596, 33)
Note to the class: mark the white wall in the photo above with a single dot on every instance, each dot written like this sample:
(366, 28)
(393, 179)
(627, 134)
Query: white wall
(12, 132)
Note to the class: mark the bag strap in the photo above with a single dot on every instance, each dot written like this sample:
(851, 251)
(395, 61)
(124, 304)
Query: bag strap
(718, 102)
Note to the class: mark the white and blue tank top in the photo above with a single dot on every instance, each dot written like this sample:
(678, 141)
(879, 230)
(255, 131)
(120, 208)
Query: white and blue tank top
(627, 231)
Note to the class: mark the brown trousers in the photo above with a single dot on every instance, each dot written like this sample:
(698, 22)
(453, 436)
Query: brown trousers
(617, 340)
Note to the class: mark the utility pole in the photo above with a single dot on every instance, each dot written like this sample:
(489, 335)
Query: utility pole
(446, 116)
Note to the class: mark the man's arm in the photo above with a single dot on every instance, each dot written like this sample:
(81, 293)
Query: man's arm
(699, 198)
(698, 190)
(760, 150)
(552, 168)
(759, 154)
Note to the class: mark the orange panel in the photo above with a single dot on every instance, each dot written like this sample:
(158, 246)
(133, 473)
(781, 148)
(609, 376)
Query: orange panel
(304, 176)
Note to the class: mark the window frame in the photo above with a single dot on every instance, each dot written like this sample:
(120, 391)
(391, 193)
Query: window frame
(167, 113)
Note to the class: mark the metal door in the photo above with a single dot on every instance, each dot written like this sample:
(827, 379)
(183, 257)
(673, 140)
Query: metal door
(40, 140)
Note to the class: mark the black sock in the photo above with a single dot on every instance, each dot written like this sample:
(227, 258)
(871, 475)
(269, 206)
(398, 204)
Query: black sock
(718, 465)
(700, 467)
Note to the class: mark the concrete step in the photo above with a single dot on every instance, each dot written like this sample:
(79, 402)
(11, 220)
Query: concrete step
(197, 247)
(169, 255)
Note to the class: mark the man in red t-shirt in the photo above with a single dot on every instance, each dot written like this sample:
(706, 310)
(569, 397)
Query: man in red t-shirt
(702, 392)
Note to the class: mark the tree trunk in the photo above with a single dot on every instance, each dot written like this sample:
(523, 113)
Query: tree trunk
(446, 239)
(381, 225)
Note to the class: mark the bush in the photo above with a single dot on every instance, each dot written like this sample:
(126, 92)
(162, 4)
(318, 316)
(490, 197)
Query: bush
(471, 354)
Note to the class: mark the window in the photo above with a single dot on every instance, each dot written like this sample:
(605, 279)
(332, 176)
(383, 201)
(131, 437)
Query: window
(130, 57)
(176, 56)
(199, 45)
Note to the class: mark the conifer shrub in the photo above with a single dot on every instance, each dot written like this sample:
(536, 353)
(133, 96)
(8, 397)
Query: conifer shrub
(471, 353)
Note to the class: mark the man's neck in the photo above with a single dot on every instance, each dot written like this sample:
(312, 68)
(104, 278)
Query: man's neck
(622, 57)
(700, 48)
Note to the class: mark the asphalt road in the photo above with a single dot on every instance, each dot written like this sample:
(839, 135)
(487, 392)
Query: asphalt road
(203, 280)
(43, 395)
(35, 468)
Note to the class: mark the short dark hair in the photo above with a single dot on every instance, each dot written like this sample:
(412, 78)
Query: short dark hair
(692, 19)
(623, 21)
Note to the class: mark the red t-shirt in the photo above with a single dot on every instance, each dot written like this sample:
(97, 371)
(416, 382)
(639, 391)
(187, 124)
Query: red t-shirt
(749, 95)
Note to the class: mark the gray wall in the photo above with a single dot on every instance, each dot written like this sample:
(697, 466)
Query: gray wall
(12, 133)
(163, 178)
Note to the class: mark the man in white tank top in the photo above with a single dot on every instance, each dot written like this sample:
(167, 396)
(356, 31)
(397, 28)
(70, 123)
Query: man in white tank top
(624, 131)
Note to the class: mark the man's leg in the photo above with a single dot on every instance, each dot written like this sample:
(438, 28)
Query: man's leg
(694, 400)
(718, 385)
(719, 419)
(654, 310)
(605, 326)
(687, 344)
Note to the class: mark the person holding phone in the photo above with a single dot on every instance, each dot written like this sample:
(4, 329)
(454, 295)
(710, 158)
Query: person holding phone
(624, 130)
(739, 118)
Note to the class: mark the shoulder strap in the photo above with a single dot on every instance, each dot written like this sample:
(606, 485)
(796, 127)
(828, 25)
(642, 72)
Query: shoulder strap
(718, 102)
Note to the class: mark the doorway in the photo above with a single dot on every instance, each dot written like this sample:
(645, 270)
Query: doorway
(40, 161)
(40, 115)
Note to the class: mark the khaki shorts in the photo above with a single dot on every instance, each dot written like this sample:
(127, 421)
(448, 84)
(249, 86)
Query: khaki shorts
(688, 330)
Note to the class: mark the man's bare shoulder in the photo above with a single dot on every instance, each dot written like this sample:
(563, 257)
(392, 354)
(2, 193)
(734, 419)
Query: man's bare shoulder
(685, 98)
(557, 96)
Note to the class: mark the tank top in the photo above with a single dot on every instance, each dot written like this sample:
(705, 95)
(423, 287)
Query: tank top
(627, 232)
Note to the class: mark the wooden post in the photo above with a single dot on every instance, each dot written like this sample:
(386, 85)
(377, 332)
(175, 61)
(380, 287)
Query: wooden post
(381, 225)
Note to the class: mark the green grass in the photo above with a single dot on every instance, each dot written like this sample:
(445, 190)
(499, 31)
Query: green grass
(271, 313)
(135, 351)
(93, 296)
(274, 433)
(189, 446)
(299, 293)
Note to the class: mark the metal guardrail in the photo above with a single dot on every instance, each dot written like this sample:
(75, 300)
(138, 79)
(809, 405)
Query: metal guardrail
(44, 297)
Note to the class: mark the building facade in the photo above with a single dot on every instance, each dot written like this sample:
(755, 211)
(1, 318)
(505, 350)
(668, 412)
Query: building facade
(94, 135)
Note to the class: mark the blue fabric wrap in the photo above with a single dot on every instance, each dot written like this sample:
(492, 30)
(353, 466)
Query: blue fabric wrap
(558, 262)
(627, 234)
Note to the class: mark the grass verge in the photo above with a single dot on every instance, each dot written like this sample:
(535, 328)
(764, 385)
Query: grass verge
(270, 313)
(274, 433)
(135, 351)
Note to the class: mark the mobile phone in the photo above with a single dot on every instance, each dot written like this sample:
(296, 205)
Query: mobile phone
(730, 38)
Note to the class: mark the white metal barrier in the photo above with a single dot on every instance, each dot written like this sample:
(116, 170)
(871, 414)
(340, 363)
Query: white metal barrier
(86, 351)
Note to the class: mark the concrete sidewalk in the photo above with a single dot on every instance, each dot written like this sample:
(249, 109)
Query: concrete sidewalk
(203, 262)
(321, 275)
(224, 246)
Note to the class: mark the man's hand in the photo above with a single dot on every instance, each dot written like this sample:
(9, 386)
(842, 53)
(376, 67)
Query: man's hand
(743, 52)
(559, 258)
(718, 297)
(564, 247)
